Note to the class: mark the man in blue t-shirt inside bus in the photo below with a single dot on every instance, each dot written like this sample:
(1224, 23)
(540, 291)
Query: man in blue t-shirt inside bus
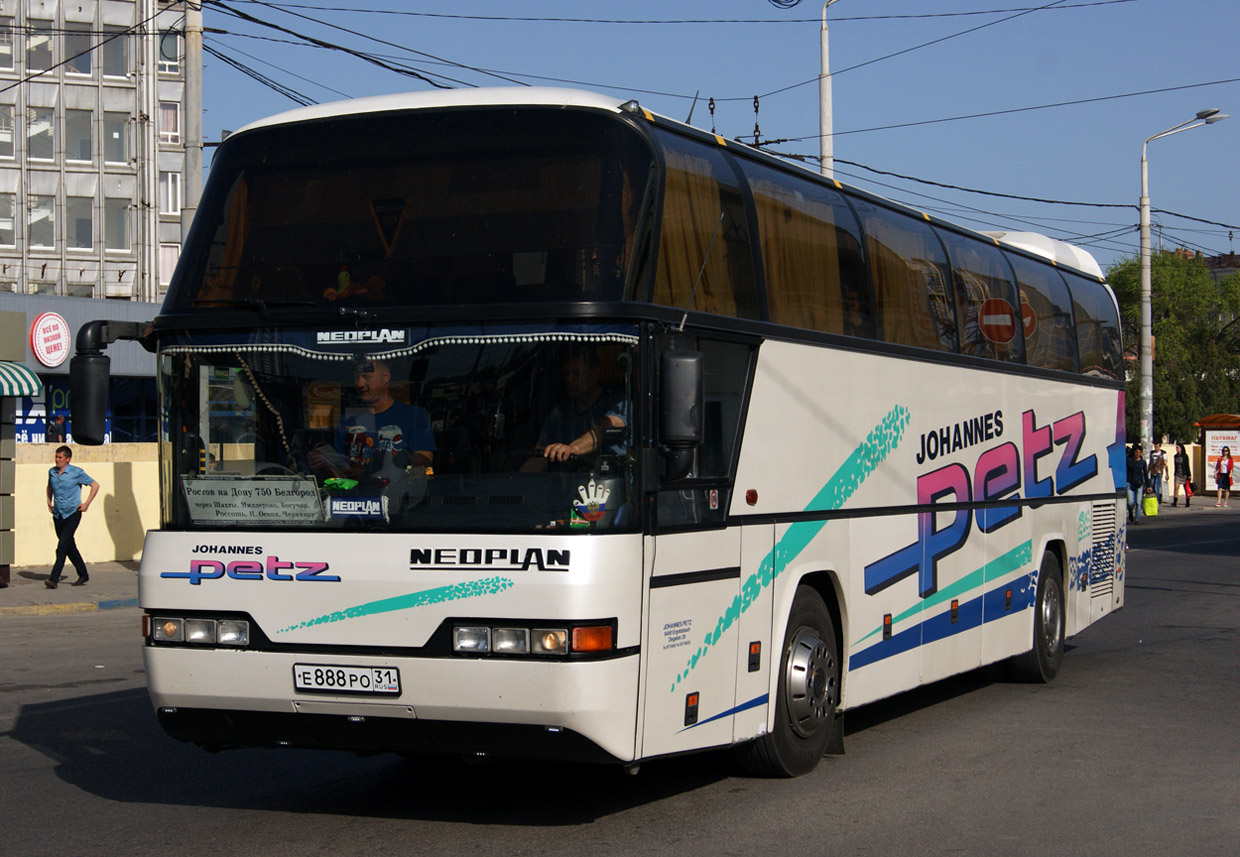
(380, 431)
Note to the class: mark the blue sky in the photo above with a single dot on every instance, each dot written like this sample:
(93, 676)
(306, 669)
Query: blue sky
(1085, 152)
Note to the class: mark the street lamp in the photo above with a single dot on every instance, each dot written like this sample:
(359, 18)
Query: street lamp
(826, 144)
(1203, 117)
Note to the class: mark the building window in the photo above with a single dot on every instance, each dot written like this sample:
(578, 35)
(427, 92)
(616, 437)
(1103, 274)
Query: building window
(38, 45)
(80, 222)
(169, 122)
(169, 193)
(168, 256)
(114, 51)
(78, 135)
(80, 290)
(116, 138)
(6, 130)
(8, 230)
(39, 139)
(41, 289)
(6, 43)
(78, 49)
(116, 224)
(42, 221)
(169, 52)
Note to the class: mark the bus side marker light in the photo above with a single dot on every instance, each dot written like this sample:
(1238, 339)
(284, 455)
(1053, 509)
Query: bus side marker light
(470, 638)
(887, 626)
(755, 656)
(751, 497)
(1007, 600)
(592, 638)
(691, 708)
(549, 641)
(955, 610)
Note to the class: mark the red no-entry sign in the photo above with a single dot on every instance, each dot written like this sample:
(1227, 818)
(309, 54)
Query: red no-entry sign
(998, 321)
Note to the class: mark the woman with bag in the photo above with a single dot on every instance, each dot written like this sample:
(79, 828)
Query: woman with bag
(1138, 480)
(1222, 476)
(1183, 475)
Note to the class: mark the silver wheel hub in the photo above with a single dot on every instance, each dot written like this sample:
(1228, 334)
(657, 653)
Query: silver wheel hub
(1052, 619)
(809, 682)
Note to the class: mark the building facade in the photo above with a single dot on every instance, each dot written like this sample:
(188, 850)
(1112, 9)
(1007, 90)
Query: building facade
(93, 173)
(92, 146)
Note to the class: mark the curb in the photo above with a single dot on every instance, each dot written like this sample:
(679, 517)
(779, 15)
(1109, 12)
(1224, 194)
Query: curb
(65, 609)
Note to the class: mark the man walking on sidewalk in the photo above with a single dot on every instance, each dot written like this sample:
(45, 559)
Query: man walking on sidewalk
(64, 500)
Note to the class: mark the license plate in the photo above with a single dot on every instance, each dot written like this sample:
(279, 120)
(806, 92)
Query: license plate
(328, 678)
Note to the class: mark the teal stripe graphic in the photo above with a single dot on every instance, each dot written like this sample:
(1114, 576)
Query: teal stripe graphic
(438, 595)
(863, 461)
(1011, 561)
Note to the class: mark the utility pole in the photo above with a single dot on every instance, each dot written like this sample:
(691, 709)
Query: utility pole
(826, 143)
(193, 115)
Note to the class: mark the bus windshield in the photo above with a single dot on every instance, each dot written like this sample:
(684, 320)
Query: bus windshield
(413, 430)
(413, 209)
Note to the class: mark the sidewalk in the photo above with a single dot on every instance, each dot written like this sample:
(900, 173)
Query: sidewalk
(111, 585)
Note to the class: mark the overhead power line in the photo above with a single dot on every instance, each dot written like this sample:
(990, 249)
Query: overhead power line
(660, 21)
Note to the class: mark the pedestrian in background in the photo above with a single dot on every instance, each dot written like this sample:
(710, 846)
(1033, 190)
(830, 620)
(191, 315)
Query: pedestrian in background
(65, 482)
(1158, 469)
(1222, 476)
(1182, 474)
(1138, 480)
(57, 432)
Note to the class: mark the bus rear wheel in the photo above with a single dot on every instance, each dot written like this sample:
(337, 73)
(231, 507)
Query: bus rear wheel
(1040, 664)
(808, 693)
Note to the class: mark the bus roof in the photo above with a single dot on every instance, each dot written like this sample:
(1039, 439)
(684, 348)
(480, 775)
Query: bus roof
(1059, 252)
(517, 96)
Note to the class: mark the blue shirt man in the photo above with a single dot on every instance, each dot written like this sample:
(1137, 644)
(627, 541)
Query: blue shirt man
(64, 500)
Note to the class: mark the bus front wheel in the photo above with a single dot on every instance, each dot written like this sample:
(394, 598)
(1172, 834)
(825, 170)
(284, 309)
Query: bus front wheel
(809, 685)
(1040, 664)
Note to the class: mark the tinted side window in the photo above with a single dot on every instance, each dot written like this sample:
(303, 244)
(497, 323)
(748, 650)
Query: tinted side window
(1097, 327)
(811, 247)
(726, 376)
(985, 299)
(1046, 309)
(912, 285)
(705, 231)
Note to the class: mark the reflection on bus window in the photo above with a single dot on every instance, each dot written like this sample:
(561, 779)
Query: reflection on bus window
(705, 256)
(985, 299)
(811, 249)
(912, 283)
(1046, 312)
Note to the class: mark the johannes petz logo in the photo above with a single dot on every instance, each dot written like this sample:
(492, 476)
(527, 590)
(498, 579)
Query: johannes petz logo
(593, 503)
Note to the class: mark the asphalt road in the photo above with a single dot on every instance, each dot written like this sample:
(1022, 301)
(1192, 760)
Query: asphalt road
(1133, 750)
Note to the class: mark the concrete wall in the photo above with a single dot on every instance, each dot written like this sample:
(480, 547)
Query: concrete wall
(126, 507)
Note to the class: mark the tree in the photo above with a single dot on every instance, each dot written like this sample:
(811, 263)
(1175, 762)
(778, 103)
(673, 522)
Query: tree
(1196, 325)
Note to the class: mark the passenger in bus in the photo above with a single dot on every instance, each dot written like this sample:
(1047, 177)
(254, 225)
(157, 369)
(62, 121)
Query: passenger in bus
(578, 425)
(381, 432)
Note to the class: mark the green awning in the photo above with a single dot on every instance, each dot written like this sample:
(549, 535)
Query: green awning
(18, 380)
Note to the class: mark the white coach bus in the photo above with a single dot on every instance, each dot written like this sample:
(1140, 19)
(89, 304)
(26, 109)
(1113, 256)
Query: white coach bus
(525, 422)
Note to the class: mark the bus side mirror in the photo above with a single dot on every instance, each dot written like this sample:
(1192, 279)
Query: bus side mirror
(88, 377)
(88, 392)
(680, 410)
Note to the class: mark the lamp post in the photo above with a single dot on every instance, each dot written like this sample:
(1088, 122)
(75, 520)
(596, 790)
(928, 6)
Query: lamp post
(826, 144)
(1203, 117)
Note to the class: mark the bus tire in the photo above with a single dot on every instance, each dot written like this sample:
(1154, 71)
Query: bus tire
(808, 693)
(1040, 664)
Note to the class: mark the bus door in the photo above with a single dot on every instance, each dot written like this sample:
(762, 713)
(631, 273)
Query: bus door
(691, 645)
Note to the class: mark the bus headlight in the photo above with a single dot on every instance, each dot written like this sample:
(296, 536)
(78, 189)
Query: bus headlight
(196, 630)
(471, 639)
